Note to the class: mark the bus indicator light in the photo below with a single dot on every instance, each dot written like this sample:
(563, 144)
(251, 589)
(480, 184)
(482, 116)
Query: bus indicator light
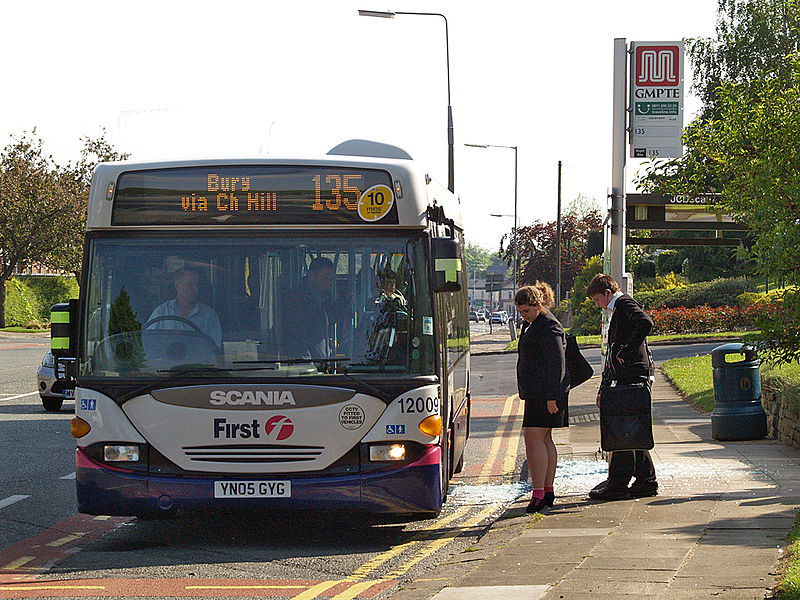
(79, 427)
(431, 425)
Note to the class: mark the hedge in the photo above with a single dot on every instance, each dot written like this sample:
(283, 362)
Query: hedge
(719, 292)
(704, 319)
(29, 298)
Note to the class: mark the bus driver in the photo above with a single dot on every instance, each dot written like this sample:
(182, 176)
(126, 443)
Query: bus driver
(186, 306)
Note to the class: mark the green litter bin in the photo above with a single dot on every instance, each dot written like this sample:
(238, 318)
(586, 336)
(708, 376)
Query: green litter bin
(738, 414)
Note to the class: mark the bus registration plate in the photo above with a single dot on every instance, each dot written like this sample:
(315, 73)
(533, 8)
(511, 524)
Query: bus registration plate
(252, 489)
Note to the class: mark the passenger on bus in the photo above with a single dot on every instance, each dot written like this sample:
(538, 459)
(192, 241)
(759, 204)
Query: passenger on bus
(185, 305)
(389, 295)
(389, 321)
(308, 313)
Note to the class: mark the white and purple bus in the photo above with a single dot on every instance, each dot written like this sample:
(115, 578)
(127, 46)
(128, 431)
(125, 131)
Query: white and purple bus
(269, 334)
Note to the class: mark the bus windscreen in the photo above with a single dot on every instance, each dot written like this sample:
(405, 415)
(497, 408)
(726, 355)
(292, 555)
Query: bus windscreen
(254, 306)
(254, 195)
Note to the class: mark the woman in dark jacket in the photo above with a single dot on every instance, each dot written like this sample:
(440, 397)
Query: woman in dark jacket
(543, 385)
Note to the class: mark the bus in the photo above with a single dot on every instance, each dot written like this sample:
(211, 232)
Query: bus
(269, 334)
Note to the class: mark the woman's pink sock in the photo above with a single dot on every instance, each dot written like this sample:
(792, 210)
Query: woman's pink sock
(548, 489)
(538, 493)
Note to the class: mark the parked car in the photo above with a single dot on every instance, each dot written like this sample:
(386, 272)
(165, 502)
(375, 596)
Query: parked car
(52, 389)
(500, 316)
(477, 315)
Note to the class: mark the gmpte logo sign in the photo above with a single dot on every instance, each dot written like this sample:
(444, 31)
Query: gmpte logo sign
(657, 66)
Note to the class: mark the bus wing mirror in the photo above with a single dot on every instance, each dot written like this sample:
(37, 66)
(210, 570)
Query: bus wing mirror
(63, 328)
(446, 265)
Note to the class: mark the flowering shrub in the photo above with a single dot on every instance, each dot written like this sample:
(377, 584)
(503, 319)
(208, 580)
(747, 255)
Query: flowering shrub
(702, 319)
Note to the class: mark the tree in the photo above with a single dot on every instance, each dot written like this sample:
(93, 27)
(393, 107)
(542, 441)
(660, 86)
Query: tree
(77, 179)
(33, 200)
(477, 258)
(752, 150)
(744, 144)
(587, 315)
(538, 245)
(126, 331)
(752, 37)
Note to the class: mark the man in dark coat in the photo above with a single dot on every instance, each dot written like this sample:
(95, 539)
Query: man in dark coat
(627, 361)
(308, 315)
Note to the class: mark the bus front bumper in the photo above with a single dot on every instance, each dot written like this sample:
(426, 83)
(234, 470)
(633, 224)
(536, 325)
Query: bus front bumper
(414, 488)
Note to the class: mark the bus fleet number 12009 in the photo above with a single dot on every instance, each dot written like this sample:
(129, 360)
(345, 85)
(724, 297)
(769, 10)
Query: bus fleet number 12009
(419, 405)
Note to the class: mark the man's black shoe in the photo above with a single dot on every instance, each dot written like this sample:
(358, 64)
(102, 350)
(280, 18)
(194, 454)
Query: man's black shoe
(602, 491)
(643, 490)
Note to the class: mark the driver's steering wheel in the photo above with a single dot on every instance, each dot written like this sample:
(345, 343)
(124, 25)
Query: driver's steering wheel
(183, 320)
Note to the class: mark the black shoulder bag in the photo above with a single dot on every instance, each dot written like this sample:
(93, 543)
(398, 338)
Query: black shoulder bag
(626, 415)
(579, 368)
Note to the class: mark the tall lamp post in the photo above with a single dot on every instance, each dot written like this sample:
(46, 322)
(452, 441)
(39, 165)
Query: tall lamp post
(389, 14)
(516, 249)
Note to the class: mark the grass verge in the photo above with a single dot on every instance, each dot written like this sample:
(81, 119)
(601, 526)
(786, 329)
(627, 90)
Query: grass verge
(693, 378)
(789, 585)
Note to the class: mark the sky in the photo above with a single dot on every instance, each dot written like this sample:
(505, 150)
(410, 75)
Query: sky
(186, 79)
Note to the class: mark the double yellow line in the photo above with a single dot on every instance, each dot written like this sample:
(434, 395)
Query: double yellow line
(509, 425)
(441, 539)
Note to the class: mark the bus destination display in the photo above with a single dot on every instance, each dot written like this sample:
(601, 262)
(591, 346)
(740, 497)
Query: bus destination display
(252, 195)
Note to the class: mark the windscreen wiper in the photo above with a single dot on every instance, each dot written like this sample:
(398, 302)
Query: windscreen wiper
(290, 361)
(178, 372)
(375, 391)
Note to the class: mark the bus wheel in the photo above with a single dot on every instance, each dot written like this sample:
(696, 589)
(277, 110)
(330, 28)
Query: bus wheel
(52, 404)
(460, 464)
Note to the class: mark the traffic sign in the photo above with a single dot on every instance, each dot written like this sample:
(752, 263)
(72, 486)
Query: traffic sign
(656, 99)
(494, 282)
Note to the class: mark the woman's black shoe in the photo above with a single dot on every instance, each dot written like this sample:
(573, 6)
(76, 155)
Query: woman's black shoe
(536, 505)
(549, 498)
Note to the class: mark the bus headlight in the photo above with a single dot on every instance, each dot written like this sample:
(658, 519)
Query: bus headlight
(120, 453)
(386, 452)
(431, 425)
(79, 427)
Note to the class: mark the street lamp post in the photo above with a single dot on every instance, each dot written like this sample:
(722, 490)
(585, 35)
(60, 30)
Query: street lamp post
(389, 14)
(516, 248)
(515, 254)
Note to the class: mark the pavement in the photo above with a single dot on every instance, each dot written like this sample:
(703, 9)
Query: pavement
(717, 528)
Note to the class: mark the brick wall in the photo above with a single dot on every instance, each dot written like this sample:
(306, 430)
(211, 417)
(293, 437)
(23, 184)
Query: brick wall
(783, 421)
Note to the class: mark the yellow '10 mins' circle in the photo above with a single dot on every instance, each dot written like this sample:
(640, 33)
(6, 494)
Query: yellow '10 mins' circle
(375, 203)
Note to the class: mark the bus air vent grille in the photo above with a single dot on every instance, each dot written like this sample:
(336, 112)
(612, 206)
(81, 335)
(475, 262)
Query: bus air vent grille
(253, 453)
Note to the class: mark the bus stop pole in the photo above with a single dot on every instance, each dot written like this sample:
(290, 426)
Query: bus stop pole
(617, 242)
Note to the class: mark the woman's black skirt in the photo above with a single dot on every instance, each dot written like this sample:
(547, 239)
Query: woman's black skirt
(537, 415)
